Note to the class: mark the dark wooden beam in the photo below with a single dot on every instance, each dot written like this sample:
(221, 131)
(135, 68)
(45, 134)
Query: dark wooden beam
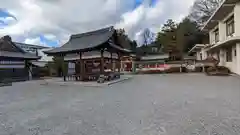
(119, 62)
(112, 62)
(102, 62)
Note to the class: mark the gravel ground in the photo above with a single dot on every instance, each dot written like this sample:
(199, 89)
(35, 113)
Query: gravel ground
(191, 104)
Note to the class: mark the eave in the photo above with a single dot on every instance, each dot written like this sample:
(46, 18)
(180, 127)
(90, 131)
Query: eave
(222, 11)
(225, 43)
(196, 48)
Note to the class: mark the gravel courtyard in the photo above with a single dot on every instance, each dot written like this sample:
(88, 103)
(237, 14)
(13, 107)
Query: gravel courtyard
(191, 104)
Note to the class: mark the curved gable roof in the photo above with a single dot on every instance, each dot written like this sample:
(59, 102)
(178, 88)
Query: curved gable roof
(11, 50)
(85, 41)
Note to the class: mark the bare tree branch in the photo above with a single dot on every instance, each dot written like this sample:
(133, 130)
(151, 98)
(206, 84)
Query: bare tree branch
(203, 9)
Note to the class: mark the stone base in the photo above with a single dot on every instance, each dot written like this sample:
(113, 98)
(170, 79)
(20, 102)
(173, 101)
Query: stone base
(85, 84)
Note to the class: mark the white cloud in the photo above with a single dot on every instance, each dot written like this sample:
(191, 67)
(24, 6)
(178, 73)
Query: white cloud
(35, 41)
(61, 18)
(7, 20)
(50, 37)
(153, 17)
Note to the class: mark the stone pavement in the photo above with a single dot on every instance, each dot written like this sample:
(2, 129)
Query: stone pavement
(182, 104)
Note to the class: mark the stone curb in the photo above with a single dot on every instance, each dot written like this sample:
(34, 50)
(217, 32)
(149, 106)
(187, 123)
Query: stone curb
(108, 83)
(118, 81)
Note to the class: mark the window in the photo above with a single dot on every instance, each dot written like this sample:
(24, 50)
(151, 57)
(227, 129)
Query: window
(229, 54)
(216, 35)
(230, 26)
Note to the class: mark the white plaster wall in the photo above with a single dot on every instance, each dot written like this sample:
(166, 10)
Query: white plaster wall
(204, 53)
(222, 26)
(229, 66)
(210, 37)
(222, 31)
(238, 58)
(198, 55)
(234, 65)
(234, 60)
(237, 19)
(222, 57)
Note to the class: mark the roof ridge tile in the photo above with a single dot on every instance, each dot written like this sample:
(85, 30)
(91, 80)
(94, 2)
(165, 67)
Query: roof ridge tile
(94, 32)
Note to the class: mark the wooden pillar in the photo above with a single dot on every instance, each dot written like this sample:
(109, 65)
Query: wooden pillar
(62, 73)
(81, 67)
(76, 66)
(112, 62)
(133, 66)
(102, 62)
(121, 66)
(119, 61)
(181, 68)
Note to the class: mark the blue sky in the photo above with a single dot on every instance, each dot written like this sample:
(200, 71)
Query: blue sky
(3, 14)
(48, 42)
(44, 22)
(139, 2)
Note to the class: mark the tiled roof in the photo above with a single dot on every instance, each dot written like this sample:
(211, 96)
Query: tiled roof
(30, 45)
(11, 50)
(87, 41)
(17, 55)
